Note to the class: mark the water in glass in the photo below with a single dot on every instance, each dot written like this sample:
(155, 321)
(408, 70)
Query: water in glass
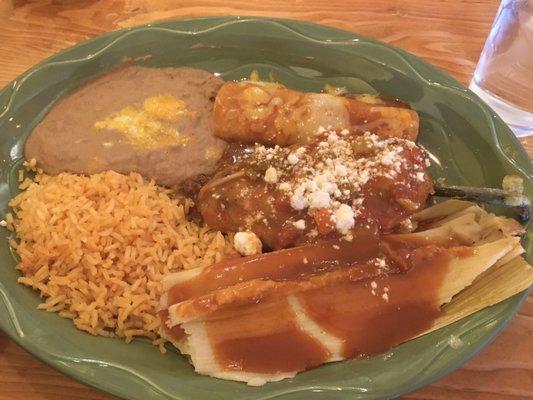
(504, 74)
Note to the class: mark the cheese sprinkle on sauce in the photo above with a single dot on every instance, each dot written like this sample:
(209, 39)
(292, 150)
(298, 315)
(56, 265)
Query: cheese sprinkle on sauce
(329, 179)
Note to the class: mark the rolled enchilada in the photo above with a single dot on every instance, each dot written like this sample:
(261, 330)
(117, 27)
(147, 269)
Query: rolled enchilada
(271, 114)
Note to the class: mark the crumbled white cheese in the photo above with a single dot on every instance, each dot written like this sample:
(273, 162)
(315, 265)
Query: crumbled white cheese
(305, 260)
(285, 186)
(340, 170)
(334, 174)
(300, 224)
(344, 218)
(332, 137)
(330, 187)
(298, 200)
(3, 223)
(373, 285)
(293, 159)
(271, 175)
(300, 151)
(380, 262)
(319, 199)
(321, 180)
(311, 185)
(247, 243)
(385, 297)
(387, 158)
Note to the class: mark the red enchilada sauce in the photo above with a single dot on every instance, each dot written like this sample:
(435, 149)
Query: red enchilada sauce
(369, 315)
(372, 316)
(283, 265)
(266, 339)
(383, 181)
(174, 334)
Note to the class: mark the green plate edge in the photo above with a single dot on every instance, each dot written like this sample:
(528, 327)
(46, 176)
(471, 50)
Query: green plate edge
(95, 372)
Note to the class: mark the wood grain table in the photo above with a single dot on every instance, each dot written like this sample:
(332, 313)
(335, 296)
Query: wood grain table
(447, 33)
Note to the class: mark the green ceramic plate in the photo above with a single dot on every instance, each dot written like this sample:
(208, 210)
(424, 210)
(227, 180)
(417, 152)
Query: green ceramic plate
(467, 142)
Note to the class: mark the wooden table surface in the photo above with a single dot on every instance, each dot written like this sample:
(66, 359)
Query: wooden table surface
(447, 33)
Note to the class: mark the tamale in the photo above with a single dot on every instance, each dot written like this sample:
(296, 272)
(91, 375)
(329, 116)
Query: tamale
(464, 260)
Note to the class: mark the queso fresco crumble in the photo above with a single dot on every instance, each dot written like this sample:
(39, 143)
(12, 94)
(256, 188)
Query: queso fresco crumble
(331, 177)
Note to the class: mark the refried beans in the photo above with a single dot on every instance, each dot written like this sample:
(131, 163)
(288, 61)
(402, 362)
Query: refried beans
(156, 122)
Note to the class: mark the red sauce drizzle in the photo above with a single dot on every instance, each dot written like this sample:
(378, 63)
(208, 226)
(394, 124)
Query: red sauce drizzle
(176, 333)
(264, 338)
(369, 324)
(281, 265)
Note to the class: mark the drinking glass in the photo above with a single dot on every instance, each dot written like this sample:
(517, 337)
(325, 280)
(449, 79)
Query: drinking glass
(504, 73)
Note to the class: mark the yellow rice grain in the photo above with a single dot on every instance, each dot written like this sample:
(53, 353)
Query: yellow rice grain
(97, 247)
